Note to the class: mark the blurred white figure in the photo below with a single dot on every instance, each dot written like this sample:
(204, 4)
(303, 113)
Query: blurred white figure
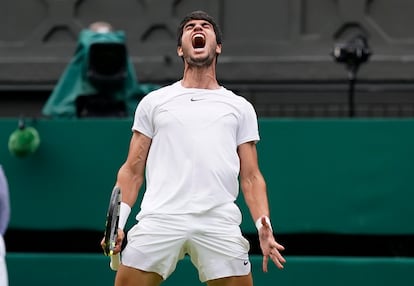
(4, 221)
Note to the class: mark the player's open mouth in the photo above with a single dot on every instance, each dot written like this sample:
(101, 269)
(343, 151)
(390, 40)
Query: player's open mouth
(198, 41)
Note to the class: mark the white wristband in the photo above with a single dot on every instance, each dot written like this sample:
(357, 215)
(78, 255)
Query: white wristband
(259, 224)
(124, 212)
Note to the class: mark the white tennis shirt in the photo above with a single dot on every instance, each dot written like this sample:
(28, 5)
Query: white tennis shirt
(192, 164)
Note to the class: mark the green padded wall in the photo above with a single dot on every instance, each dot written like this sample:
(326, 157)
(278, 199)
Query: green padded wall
(337, 176)
(70, 177)
(93, 269)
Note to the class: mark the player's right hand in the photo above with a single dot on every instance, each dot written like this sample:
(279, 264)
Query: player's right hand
(119, 239)
(103, 244)
(118, 244)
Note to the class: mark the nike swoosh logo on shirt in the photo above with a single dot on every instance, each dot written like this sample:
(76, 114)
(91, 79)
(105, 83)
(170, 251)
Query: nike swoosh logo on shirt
(196, 99)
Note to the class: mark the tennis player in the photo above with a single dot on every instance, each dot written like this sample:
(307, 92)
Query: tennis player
(195, 141)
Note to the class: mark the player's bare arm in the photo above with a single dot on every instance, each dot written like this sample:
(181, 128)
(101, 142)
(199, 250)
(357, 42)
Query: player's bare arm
(131, 176)
(253, 186)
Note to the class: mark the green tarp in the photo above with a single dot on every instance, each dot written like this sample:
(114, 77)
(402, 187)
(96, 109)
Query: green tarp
(73, 82)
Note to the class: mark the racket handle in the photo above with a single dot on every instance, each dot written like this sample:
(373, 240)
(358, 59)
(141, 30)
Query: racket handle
(115, 261)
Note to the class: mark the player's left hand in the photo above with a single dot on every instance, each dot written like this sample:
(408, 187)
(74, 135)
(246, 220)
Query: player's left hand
(270, 248)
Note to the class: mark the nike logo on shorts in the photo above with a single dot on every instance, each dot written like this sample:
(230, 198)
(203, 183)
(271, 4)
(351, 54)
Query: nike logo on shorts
(245, 262)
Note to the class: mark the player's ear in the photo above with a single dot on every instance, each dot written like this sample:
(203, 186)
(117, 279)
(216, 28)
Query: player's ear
(218, 49)
(180, 51)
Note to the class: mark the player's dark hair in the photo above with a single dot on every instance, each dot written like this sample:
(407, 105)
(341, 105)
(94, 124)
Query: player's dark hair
(198, 15)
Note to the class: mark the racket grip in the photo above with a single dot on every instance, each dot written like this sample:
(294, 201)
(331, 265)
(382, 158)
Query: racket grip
(115, 261)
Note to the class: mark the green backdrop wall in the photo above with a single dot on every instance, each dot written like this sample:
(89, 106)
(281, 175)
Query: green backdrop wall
(93, 269)
(331, 176)
(337, 176)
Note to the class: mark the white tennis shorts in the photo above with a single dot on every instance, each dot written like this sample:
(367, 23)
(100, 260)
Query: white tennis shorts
(213, 240)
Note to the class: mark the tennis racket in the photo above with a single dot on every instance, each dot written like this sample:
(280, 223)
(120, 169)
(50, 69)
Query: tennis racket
(111, 228)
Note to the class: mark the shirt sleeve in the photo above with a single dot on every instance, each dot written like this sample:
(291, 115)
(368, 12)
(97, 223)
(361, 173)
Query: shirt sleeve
(143, 118)
(248, 126)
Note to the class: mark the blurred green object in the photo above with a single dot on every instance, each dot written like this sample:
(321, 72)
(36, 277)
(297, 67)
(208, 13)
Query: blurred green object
(24, 141)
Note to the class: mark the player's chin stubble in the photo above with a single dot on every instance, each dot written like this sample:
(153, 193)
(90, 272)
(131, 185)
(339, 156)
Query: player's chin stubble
(201, 62)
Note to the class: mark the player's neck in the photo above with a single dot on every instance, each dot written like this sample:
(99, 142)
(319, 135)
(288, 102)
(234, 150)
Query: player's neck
(200, 77)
